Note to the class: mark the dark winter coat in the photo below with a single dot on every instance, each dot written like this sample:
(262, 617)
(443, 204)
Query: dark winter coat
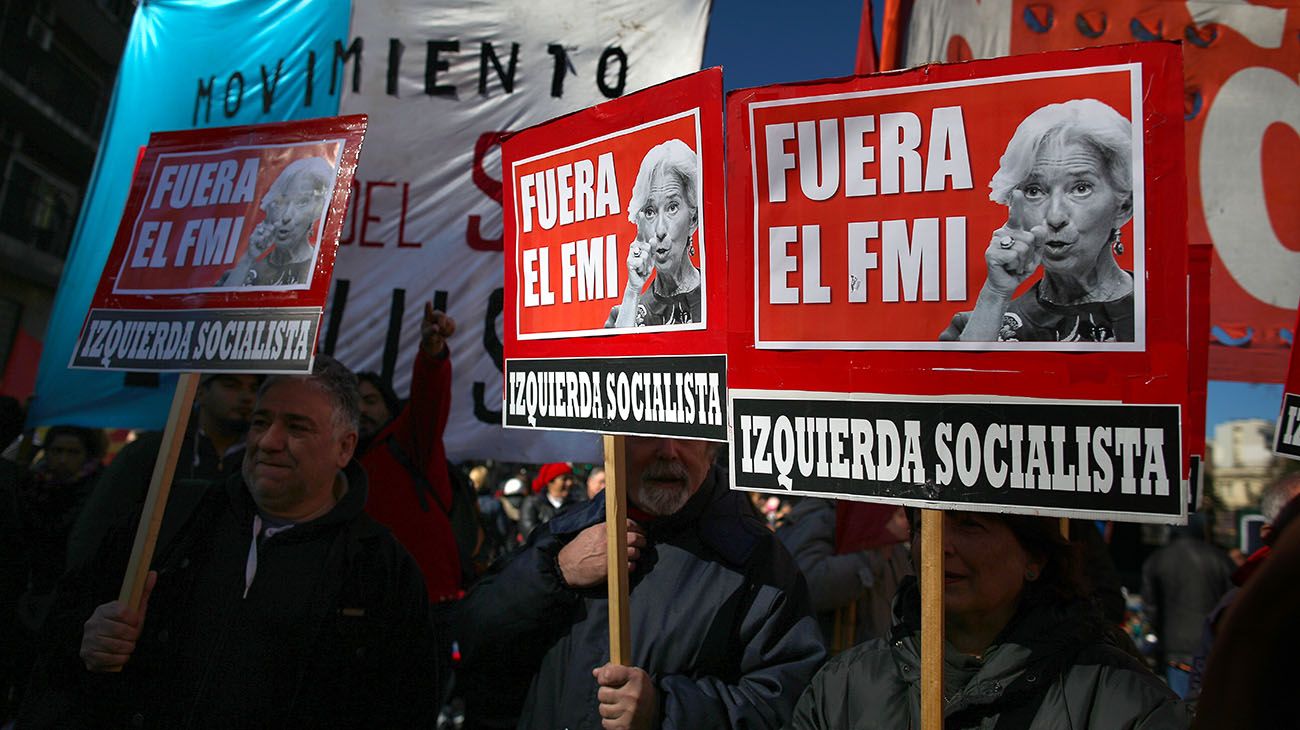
(538, 511)
(1181, 583)
(719, 620)
(333, 630)
(1050, 669)
(867, 578)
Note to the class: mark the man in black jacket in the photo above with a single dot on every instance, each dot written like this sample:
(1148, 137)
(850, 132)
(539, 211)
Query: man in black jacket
(1181, 583)
(722, 634)
(275, 602)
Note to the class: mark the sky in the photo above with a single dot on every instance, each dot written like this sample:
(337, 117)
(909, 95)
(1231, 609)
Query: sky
(759, 42)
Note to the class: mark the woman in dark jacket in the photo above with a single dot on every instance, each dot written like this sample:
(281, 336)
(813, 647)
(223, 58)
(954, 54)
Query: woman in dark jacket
(1024, 647)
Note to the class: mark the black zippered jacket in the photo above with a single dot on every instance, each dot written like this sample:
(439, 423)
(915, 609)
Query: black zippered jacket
(333, 630)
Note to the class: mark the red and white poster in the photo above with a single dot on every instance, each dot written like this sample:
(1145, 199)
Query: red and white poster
(1241, 106)
(223, 257)
(964, 285)
(872, 232)
(616, 266)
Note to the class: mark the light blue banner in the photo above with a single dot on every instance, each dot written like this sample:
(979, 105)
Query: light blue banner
(187, 64)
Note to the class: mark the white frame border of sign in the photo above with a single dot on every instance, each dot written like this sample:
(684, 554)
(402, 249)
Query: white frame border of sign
(604, 332)
(319, 227)
(1139, 217)
(1142, 517)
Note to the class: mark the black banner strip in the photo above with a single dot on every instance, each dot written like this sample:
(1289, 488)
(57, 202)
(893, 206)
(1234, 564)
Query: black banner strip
(394, 339)
(199, 340)
(680, 397)
(1121, 461)
(337, 307)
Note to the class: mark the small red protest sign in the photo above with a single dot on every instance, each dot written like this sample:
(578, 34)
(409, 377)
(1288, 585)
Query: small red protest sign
(616, 264)
(964, 285)
(223, 257)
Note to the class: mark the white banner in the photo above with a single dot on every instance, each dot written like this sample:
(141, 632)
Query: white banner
(440, 85)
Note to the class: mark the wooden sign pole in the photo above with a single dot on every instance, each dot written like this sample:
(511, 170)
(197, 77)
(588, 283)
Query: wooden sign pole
(1065, 528)
(931, 619)
(620, 631)
(146, 535)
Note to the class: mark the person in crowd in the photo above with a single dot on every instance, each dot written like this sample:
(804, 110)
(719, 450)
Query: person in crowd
(1024, 646)
(212, 448)
(402, 453)
(1276, 496)
(722, 631)
(861, 583)
(1251, 671)
(499, 530)
(1099, 570)
(513, 495)
(551, 487)
(1181, 583)
(666, 210)
(1067, 180)
(49, 503)
(276, 601)
(595, 481)
(46, 503)
(280, 249)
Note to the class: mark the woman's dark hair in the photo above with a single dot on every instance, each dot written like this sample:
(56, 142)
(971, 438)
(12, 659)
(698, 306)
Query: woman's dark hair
(92, 439)
(1062, 580)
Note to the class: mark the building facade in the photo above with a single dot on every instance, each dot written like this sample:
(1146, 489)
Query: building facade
(58, 61)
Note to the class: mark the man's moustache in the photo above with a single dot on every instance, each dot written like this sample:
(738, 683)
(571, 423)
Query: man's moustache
(665, 470)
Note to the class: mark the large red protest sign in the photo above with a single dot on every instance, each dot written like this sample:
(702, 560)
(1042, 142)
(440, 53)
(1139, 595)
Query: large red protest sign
(967, 285)
(616, 263)
(223, 257)
(883, 251)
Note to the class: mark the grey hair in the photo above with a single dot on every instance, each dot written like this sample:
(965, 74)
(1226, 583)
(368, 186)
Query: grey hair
(319, 172)
(1087, 120)
(1278, 494)
(672, 157)
(333, 379)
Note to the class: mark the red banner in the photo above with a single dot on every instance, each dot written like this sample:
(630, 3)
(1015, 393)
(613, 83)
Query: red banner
(1241, 104)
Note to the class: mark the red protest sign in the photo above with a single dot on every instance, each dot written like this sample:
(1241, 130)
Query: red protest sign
(223, 257)
(616, 263)
(919, 254)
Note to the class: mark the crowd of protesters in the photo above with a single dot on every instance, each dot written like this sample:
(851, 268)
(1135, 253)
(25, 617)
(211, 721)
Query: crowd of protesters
(321, 563)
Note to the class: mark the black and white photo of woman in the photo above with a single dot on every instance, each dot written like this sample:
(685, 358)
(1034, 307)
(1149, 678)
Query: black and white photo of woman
(1066, 178)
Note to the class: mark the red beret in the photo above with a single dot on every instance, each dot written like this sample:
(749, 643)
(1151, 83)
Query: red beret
(549, 472)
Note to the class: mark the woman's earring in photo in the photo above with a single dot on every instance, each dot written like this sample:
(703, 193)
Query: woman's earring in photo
(691, 253)
(1116, 243)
